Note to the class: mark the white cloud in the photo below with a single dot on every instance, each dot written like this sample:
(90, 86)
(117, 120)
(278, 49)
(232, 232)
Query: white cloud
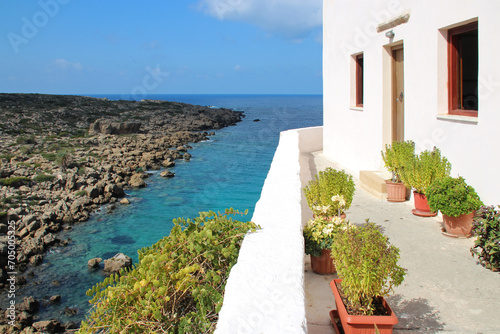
(64, 64)
(293, 18)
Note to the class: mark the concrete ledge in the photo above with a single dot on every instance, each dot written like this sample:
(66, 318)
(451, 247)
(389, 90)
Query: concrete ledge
(265, 289)
(374, 182)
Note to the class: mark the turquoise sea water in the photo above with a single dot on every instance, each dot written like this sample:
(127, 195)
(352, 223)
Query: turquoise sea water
(227, 171)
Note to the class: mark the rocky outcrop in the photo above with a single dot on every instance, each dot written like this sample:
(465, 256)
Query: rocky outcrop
(94, 263)
(46, 187)
(113, 128)
(117, 262)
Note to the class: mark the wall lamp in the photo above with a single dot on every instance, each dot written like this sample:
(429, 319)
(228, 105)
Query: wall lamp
(389, 34)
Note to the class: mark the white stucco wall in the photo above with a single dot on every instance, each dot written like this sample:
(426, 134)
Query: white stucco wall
(355, 137)
(265, 289)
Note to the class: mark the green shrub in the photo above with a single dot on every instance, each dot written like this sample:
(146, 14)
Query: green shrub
(178, 284)
(15, 182)
(81, 193)
(452, 196)
(320, 192)
(486, 227)
(428, 167)
(397, 156)
(49, 156)
(44, 178)
(367, 264)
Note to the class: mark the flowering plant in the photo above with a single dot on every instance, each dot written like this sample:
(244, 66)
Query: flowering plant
(336, 207)
(319, 233)
(330, 192)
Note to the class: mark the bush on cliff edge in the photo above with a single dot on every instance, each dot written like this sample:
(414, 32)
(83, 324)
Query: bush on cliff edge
(178, 284)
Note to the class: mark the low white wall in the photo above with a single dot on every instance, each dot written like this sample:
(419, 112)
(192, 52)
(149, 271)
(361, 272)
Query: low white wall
(265, 289)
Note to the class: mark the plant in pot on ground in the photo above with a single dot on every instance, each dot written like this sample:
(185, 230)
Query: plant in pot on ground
(367, 265)
(396, 158)
(330, 192)
(319, 234)
(420, 173)
(486, 226)
(457, 201)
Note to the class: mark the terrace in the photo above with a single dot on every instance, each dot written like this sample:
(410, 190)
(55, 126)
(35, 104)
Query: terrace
(273, 290)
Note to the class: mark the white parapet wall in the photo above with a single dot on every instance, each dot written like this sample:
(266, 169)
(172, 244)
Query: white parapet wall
(265, 289)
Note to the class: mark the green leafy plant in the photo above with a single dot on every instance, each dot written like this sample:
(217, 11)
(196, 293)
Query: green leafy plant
(178, 284)
(427, 167)
(397, 156)
(63, 159)
(330, 192)
(320, 232)
(452, 196)
(486, 227)
(44, 178)
(367, 264)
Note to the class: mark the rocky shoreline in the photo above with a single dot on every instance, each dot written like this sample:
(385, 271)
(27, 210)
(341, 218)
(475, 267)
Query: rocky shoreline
(63, 157)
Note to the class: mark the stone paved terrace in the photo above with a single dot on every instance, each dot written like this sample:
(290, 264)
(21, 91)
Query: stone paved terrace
(445, 290)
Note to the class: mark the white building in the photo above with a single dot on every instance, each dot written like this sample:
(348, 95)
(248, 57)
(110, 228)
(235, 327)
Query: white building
(422, 70)
(393, 69)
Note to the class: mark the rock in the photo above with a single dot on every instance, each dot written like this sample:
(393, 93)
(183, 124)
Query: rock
(117, 262)
(117, 128)
(168, 163)
(48, 326)
(167, 174)
(95, 262)
(186, 156)
(50, 239)
(114, 190)
(29, 304)
(55, 299)
(124, 201)
(36, 259)
(92, 191)
(136, 181)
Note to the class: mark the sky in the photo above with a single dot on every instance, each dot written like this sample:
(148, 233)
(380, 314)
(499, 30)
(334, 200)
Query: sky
(161, 47)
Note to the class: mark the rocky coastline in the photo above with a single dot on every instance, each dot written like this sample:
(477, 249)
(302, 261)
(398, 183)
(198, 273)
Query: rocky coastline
(62, 157)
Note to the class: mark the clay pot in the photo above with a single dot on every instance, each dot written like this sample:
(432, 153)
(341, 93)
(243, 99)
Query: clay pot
(396, 192)
(422, 208)
(458, 226)
(358, 324)
(323, 264)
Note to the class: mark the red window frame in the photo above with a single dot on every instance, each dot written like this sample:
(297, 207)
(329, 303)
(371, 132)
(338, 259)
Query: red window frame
(455, 71)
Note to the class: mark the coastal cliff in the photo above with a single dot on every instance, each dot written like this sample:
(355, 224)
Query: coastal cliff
(62, 157)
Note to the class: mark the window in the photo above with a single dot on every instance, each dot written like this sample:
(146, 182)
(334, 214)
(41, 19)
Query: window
(359, 80)
(463, 70)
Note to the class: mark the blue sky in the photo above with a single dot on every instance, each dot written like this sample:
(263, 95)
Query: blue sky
(161, 46)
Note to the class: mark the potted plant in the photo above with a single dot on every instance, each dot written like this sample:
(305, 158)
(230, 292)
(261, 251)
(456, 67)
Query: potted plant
(486, 226)
(367, 267)
(457, 201)
(427, 167)
(330, 192)
(319, 234)
(396, 157)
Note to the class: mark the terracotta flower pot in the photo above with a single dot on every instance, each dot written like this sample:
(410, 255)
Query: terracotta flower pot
(323, 264)
(422, 208)
(358, 324)
(458, 226)
(396, 192)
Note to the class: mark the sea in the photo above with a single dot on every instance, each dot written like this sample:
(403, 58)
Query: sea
(228, 170)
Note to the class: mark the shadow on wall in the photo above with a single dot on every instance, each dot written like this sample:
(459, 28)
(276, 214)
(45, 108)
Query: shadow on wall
(415, 315)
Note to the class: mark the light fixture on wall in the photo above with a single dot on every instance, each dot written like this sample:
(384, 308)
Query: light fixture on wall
(389, 34)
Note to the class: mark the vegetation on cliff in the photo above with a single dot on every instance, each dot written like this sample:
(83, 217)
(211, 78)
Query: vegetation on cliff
(178, 284)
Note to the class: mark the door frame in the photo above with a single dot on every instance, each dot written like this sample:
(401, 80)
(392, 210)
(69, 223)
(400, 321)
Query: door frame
(388, 95)
(398, 92)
